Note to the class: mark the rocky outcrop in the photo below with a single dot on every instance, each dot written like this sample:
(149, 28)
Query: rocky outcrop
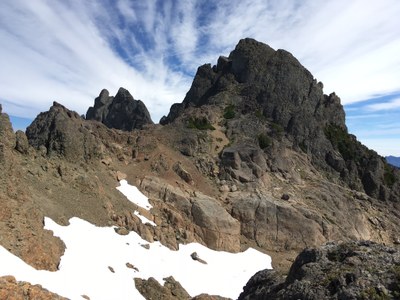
(7, 136)
(12, 289)
(62, 132)
(120, 112)
(171, 290)
(152, 289)
(244, 163)
(203, 217)
(215, 225)
(354, 270)
(21, 142)
(270, 222)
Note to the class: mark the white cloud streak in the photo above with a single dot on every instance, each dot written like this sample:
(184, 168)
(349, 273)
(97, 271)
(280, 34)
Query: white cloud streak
(390, 105)
(69, 50)
(384, 146)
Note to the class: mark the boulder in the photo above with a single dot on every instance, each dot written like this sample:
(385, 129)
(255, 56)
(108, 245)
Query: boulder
(243, 162)
(152, 289)
(182, 173)
(22, 144)
(157, 188)
(211, 223)
(216, 227)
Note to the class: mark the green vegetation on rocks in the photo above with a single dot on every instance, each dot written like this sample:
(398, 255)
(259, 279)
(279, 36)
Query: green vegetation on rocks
(264, 141)
(229, 112)
(200, 123)
(342, 141)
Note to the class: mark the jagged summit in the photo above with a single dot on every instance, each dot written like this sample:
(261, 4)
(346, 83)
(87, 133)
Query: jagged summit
(255, 156)
(120, 112)
(272, 81)
(267, 94)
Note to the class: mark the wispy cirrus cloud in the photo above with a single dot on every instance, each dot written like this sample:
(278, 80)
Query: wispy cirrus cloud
(390, 105)
(69, 50)
(58, 51)
(376, 123)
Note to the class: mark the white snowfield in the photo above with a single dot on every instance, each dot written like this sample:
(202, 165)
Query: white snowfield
(134, 195)
(95, 264)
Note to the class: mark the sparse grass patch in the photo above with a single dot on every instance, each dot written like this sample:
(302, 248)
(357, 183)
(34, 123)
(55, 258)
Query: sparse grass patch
(372, 294)
(342, 141)
(264, 141)
(229, 112)
(276, 128)
(303, 146)
(200, 123)
(388, 176)
(259, 114)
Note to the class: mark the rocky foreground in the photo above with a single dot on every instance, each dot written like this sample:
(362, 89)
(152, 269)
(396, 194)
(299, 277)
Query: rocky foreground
(11, 289)
(256, 155)
(352, 270)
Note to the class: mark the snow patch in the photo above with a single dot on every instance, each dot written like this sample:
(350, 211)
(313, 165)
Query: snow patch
(91, 250)
(96, 260)
(134, 195)
(144, 219)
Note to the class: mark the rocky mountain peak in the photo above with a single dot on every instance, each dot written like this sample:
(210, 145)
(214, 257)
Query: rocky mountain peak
(256, 155)
(266, 98)
(249, 58)
(274, 82)
(120, 112)
(60, 131)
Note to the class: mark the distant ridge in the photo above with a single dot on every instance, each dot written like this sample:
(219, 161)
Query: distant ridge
(393, 160)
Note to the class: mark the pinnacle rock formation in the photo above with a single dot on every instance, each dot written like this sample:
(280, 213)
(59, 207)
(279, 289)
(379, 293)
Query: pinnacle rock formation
(120, 112)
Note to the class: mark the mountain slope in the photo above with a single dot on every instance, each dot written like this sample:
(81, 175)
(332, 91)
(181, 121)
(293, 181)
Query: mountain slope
(275, 95)
(255, 156)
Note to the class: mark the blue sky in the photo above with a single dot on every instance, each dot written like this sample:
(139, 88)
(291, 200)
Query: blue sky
(68, 50)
